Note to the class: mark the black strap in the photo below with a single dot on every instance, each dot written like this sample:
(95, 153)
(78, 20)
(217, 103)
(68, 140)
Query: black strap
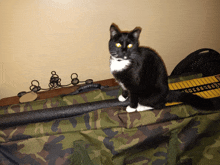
(85, 88)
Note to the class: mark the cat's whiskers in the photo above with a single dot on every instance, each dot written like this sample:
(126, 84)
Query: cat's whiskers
(133, 55)
(114, 54)
(117, 59)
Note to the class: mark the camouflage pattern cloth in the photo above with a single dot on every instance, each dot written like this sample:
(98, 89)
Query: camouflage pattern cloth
(177, 135)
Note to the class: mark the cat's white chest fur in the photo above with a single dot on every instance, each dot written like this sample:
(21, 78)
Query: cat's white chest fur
(118, 64)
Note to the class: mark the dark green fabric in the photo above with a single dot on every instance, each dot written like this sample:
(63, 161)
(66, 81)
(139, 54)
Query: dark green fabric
(111, 136)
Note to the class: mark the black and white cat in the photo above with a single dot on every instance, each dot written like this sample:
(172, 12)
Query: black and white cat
(142, 75)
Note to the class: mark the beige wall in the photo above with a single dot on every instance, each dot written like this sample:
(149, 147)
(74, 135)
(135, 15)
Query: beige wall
(38, 36)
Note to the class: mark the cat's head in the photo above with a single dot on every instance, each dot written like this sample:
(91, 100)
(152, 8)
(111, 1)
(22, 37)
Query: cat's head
(123, 45)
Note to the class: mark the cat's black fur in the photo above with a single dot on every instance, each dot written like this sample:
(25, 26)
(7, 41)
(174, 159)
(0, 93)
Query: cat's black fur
(144, 78)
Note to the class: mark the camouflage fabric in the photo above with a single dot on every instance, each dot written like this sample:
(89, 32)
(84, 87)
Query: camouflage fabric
(175, 135)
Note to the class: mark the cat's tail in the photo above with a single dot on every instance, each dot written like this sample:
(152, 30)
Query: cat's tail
(194, 100)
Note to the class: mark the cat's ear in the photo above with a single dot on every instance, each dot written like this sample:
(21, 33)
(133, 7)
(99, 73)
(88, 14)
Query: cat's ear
(136, 32)
(113, 30)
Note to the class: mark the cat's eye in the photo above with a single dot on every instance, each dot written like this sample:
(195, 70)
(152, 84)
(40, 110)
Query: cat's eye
(118, 45)
(129, 45)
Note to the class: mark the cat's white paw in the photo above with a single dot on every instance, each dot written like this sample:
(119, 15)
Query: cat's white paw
(121, 98)
(143, 108)
(129, 109)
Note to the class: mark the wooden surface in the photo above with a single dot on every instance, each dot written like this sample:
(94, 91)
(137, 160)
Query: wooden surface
(55, 92)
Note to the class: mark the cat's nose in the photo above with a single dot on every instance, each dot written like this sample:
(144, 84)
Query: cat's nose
(124, 53)
(124, 50)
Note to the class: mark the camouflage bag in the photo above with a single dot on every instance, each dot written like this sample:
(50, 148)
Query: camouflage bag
(174, 135)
